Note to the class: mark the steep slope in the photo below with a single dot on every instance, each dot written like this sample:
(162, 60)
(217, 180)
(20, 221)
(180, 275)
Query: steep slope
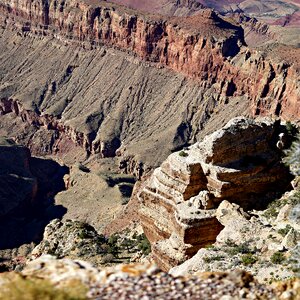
(165, 7)
(168, 80)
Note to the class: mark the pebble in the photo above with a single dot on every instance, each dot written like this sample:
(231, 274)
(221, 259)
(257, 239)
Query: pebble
(164, 286)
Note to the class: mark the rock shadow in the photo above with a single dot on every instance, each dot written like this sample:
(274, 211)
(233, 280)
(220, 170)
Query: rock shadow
(26, 223)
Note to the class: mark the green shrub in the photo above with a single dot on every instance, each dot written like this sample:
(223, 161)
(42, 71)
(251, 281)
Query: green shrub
(238, 249)
(285, 231)
(230, 243)
(183, 154)
(108, 258)
(292, 158)
(291, 129)
(248, 259)
(209, 259)
(277, 258)
(144, 244)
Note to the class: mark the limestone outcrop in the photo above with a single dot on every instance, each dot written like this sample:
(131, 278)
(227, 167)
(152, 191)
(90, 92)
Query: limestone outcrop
(258, 242)
(239, 163)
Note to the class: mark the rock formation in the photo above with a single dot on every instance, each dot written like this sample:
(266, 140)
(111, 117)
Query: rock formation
(71, 239)
(68, 279)
(196, 66)
(240, 163)
(256, 242)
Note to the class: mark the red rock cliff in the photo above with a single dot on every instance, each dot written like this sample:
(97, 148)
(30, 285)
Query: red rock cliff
(203, 47)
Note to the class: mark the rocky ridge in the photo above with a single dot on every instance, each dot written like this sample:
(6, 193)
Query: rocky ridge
(135, 281)
(240, 163)
(203, 47)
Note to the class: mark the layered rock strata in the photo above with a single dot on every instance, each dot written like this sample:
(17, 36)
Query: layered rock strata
(240, 163)
(203, 47)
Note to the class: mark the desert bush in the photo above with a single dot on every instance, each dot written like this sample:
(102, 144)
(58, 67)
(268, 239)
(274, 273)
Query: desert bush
(285, 231)
(144, 244)
(238, 249)
(209, 259)
(291, 129)
(108, 258)
(248, 259)
(183, 154)
(277, 258)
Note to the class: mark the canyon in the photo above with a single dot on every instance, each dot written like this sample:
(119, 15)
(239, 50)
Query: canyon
(204, 55)
(186, 106)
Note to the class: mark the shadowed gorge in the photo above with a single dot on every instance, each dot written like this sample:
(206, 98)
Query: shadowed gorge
(28, 187)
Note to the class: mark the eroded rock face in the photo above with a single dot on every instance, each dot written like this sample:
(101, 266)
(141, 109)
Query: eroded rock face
(203, 47)
(240, 163)
(28, 185)
(256, 241)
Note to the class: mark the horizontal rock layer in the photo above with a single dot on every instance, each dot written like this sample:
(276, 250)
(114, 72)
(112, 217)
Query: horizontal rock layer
(240, 163)
(202, 47)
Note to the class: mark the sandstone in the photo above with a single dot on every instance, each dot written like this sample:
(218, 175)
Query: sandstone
(246, 244)
(231, 164)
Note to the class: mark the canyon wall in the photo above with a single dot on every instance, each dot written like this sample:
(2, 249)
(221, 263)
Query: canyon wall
(240, 163)
(203, 49)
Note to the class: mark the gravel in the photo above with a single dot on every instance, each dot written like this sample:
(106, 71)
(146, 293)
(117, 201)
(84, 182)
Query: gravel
(165, 286)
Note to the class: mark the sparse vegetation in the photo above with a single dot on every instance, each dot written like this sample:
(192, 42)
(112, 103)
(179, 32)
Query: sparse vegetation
(291, 129)
(284, 231)
(277, 258)
(209, 259)
(234, 249)
(183, 154)
(248, 259)
(292, 158)
(274, 207)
